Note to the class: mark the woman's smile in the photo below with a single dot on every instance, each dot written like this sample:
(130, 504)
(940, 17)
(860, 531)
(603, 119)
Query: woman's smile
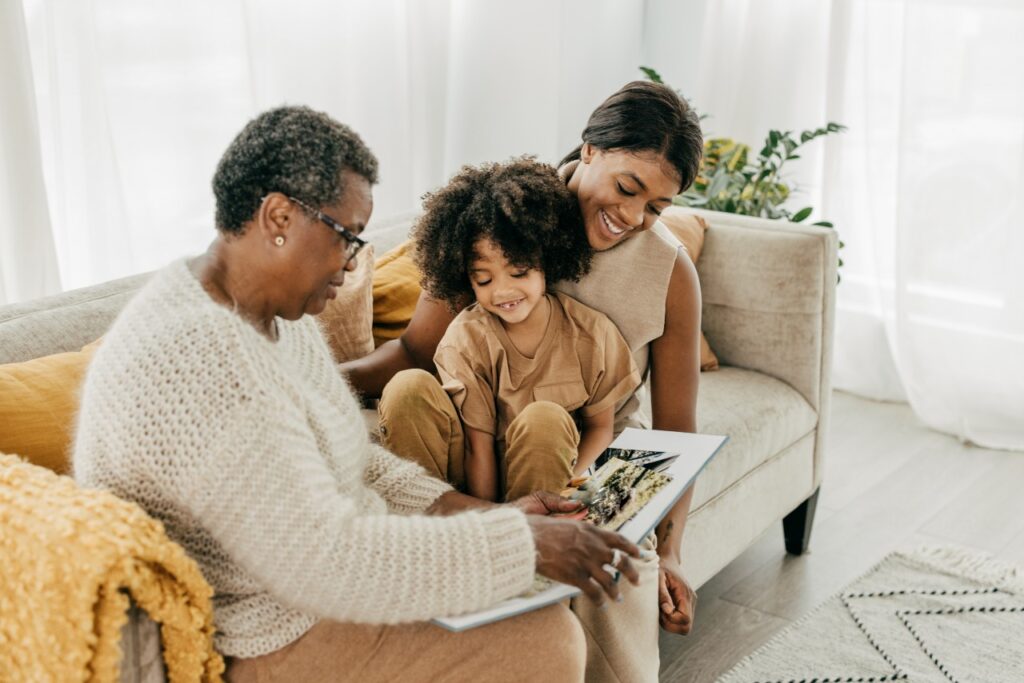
(615, 229)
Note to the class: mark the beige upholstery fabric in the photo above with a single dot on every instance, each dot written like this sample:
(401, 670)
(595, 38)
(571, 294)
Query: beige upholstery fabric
(761, 416)
(347, 320)
(140, 640)
(64, 322)
(759, 311)
(769, 304)
(724, 526)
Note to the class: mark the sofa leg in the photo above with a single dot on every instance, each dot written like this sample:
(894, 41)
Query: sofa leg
(796, 526)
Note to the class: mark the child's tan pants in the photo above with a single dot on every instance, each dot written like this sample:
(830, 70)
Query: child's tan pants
(418, 421)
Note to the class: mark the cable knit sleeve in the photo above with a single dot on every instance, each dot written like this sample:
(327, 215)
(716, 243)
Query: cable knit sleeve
(404, 485)
(279, 514)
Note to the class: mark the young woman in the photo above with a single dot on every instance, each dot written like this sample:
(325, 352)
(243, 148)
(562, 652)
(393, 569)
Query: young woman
(641, 147)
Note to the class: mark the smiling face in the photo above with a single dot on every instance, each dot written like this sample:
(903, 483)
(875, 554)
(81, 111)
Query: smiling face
(621, 193)
(316, 254)
(508, 291)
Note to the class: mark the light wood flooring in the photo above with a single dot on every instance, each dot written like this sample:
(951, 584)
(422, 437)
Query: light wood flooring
(889, 483)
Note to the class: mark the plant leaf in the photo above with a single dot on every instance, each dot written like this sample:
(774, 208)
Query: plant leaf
(801, 214)
(651, 74)
(824, 224)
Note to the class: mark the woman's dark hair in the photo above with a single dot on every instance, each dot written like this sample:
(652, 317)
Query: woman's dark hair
(293, 150)
(522, 206)
(646, 116)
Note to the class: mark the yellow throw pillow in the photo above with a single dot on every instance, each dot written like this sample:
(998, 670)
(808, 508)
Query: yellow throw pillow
(347, 321)
(39, 404)
(396, 289)
(689, 229)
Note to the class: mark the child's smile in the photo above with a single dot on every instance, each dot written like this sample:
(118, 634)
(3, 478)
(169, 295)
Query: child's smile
(510, 305)
(508, 291)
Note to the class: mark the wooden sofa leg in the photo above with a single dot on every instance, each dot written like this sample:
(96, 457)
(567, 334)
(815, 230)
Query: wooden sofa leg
(796, 526)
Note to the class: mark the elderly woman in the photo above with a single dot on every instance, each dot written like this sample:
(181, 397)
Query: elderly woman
(215, 404)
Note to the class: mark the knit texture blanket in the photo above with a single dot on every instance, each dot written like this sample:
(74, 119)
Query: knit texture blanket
(69, 560)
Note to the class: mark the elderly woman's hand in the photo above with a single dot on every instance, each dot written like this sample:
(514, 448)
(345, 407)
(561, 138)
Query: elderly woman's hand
(576, 553)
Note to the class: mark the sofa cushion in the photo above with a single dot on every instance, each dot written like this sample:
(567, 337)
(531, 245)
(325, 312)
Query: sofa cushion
(347, 320)
(761, 416)
(396, 289)
(63, 322)
(38, 404)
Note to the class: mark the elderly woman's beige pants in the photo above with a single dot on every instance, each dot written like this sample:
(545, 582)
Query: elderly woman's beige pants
(418, 421)
(545, 645)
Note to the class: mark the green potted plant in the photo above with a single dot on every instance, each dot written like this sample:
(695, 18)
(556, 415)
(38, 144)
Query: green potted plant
(729, 181)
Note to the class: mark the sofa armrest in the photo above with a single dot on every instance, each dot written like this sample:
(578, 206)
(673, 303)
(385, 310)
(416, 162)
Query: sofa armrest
(769, 302)
(142, 653)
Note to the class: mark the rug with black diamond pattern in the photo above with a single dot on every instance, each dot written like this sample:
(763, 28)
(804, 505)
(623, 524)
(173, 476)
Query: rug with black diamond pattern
(936, 614)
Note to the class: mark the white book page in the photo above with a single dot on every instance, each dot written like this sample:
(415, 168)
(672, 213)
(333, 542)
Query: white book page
(695, 452)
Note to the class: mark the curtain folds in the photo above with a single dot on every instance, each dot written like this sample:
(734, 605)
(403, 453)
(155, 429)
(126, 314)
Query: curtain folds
(925, 187)
(136, 101)
(28, 261)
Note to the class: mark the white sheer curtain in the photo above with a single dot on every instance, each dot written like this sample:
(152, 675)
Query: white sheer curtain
(138, 100)
(28, 262)
(925, 187)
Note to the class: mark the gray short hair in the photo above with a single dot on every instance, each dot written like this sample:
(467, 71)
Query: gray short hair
(294, 150)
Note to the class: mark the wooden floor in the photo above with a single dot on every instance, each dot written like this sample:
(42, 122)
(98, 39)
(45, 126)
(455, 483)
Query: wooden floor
(889, 483)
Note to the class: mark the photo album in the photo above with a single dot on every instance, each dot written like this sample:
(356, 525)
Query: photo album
(633, 485)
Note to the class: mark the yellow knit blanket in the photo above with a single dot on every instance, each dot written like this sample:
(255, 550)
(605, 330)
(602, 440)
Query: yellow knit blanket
(69, 558)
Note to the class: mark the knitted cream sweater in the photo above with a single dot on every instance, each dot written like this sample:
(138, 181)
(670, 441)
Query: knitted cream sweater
(255, 457)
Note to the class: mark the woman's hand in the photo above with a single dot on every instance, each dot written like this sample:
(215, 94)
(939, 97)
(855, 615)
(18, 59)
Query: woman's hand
(676, 600)
(575, 553)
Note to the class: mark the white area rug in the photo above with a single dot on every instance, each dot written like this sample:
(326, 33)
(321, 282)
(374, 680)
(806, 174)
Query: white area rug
(937, 614)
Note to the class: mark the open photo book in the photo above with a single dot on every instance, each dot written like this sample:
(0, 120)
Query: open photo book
(635, 482)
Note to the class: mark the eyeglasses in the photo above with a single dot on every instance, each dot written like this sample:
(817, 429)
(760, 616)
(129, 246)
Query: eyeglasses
(354, 243)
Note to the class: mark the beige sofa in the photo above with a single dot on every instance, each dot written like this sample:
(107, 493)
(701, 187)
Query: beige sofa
(769, 302)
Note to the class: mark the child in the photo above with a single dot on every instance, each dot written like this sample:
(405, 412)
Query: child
(535, 376)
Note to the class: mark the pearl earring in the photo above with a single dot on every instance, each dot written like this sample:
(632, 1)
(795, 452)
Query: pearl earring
(279, 241)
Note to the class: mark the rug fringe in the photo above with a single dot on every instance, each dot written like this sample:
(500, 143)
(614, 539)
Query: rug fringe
(974, 564)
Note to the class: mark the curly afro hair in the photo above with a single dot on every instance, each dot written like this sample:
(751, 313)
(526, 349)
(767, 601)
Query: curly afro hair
(521, 205)
(293, 150)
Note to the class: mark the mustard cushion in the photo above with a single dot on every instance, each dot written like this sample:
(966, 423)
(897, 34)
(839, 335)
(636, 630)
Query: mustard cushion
(396, 289)
(689, 229)
(347, 321)
(39, 404)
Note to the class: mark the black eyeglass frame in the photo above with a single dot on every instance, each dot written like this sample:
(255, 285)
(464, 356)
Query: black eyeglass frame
(355, 242)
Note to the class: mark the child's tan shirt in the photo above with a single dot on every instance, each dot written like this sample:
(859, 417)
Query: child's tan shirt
(583, 364)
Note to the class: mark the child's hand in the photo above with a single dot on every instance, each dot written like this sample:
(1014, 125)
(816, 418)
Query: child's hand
(545, 503)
